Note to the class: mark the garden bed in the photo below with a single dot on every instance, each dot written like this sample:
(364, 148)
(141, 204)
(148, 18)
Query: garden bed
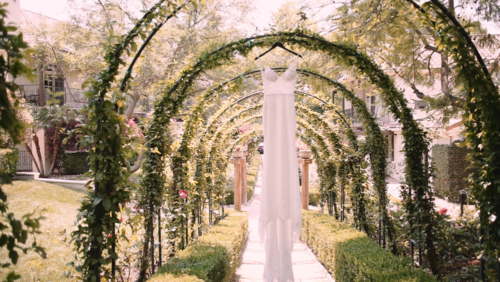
(213, 257)
(349, 255)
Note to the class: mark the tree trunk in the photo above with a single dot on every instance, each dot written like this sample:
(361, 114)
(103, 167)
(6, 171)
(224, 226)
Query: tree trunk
(131, 106)
(39, 153)
(41, 96)
(55, 144)
(138, 163)
(28, 149)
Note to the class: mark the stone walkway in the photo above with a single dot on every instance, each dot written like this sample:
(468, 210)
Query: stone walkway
(306, 266)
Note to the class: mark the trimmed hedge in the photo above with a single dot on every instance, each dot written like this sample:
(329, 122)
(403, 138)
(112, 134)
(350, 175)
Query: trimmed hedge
(350, 255)
(451, 171)
(8, 163)
(213, 257)
(75, 162)
(252, 172)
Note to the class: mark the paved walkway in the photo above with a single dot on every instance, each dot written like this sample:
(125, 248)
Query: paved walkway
(306, 266)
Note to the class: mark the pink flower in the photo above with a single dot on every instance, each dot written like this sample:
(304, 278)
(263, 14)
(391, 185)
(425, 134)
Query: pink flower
(443, 211)
(121, 219)
(131, 122)
(183, 194)
(110, 235)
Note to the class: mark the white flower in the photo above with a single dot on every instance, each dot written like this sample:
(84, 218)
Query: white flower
(480, 146)
(486, 184)
(476, 215)
(492, 218)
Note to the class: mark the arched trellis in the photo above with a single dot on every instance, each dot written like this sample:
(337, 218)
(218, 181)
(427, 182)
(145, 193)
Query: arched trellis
(415, 139)
(481, 107)
(300, 111)
(175, 94)
(376, 148)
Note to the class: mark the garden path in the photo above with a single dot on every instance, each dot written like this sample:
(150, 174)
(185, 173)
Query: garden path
(306, 267)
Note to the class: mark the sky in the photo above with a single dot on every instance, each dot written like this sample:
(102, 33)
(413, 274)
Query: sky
(56, 9)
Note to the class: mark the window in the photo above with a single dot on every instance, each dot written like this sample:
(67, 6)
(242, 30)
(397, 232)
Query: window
(53, 81)
(373, 107)
(390, 147)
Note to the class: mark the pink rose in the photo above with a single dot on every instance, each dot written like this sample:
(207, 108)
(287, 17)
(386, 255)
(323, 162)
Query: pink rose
(183, 194)
(443, 211)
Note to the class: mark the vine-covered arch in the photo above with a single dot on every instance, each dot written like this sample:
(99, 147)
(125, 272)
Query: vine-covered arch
(376, 147)
(158, 140)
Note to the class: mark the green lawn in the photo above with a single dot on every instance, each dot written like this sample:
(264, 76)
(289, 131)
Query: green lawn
(59, 206)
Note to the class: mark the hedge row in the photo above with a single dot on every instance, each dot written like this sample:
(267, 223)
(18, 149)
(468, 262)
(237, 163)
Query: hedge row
(213, 257)
(252, 172)
(75, 162)
(350, 255)
(8, 163)
(451, 170)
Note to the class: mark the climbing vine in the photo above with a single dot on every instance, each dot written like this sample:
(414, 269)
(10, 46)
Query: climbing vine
(96, 238)
(482, 104)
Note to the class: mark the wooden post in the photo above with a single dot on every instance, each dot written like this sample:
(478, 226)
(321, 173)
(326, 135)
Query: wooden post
(237, 161)
(244, 184)
(304, 161)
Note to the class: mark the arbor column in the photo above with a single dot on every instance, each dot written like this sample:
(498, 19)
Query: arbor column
(304, 160)
(238, 158)
(244, 187)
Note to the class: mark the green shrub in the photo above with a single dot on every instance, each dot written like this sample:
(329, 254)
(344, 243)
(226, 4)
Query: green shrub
(350, 255)
(8, 163)
(451, 170)
(314, 194)
(213, 257)
(229, 197)
(75, 162)
(252, 172)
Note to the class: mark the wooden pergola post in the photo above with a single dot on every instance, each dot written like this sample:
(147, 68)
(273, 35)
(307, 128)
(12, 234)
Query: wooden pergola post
(238, 158)
(304, 160)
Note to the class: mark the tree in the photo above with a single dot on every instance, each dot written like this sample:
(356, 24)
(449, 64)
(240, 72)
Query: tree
(396, 39)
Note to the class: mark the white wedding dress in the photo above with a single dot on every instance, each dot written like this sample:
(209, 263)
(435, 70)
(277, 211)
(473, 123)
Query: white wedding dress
(280, 209)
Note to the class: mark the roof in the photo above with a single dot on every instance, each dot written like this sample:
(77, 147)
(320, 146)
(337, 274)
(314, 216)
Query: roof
(31, 19)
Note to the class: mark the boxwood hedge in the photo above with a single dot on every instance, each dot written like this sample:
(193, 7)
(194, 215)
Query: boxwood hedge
(349, 255)
(213, 257)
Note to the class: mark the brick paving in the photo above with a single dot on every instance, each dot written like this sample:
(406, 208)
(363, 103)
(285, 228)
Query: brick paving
(306, 267)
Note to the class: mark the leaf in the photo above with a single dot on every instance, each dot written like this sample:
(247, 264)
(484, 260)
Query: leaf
(107, 204)
(14, 256)
(97, 200)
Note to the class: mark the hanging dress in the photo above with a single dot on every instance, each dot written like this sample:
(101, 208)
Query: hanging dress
(280, 216)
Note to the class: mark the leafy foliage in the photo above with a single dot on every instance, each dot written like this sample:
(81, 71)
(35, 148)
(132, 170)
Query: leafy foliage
(213, 257)
(351, 256)
(451, 171)
(8, 163)
(13, 232)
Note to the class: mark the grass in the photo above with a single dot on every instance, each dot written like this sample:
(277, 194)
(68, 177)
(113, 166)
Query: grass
(59, 206)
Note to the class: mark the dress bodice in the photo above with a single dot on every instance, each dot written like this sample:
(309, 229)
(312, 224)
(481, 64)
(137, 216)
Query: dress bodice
(275, 84)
